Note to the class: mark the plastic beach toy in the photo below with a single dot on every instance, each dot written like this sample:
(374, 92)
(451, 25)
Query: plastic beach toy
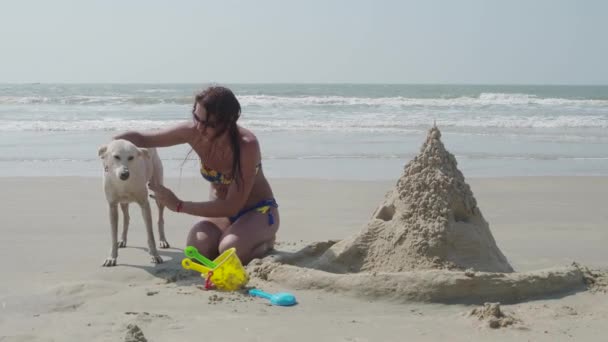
(192, 253)
(228, 273)
(281, 298)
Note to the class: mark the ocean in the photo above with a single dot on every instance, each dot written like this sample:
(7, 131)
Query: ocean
(330, 131)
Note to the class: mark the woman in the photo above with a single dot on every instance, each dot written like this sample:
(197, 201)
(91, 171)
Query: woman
(241, 211)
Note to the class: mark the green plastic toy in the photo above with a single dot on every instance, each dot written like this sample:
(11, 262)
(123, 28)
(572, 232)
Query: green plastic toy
(192, 253)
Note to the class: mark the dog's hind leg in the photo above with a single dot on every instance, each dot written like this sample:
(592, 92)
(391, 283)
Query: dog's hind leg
(162, 240)
(111, 260)
(125, 224)
(147, 214)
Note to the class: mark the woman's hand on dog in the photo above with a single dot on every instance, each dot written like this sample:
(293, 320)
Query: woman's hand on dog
(164, 196)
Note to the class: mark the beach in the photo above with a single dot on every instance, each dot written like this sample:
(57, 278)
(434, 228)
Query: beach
(56, 236)
(520, 174)
(440, 173)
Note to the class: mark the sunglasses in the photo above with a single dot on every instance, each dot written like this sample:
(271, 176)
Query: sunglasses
(205, 123)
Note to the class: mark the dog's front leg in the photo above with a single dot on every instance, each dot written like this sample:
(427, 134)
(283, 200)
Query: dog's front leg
(111, 260)
(125, 224)
(147, 214)
(162, 240)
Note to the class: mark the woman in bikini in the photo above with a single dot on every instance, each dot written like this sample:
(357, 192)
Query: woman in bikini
(241, 212)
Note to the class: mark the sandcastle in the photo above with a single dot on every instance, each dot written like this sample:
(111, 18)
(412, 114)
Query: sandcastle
(427, 241)
(429, 220)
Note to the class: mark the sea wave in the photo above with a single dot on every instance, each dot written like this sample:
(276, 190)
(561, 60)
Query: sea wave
(475, 156)
(345, 123)
(158, 97)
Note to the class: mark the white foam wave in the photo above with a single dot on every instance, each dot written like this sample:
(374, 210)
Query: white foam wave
(346, 123)
(85, 125)
(93, 100)
(476, 156)
(484, 99)
(158, 91)
(398, 124)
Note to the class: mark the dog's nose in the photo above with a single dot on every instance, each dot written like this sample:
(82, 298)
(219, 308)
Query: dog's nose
(124, 175)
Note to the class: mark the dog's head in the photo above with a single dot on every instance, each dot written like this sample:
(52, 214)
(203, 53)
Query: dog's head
(120, 158)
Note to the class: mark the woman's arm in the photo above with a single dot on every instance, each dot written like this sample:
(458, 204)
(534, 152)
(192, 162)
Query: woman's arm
(237, 194)
(179, 134)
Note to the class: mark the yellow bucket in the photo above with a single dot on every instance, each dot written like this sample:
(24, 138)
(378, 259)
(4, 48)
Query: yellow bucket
(228, 275)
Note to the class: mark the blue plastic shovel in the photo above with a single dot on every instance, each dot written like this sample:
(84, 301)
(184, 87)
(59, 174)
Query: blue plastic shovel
(281, 298)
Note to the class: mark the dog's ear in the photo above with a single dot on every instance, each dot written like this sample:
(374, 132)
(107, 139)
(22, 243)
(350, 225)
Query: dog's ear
(102, 151)
(144, 152)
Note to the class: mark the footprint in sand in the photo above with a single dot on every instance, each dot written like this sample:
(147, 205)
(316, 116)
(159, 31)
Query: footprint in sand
(134, 334)
(146, 317)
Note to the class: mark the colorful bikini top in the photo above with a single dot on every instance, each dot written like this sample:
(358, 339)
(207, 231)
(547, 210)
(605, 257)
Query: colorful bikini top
(217, 177)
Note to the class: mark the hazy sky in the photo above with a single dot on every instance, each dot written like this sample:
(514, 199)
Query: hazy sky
(425, 41)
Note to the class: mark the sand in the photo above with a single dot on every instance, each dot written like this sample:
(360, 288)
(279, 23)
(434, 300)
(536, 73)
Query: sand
(55, 236)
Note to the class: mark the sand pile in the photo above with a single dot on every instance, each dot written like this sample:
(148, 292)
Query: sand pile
(427, 241)
(429, 220)
(595, 280)
(493, 315)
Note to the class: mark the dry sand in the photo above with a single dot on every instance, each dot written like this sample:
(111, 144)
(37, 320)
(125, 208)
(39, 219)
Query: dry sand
(55, 235)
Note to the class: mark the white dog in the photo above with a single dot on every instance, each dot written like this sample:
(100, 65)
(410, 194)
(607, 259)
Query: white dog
(127, 171)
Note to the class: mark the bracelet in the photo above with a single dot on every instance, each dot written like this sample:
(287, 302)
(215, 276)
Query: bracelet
(180, 204)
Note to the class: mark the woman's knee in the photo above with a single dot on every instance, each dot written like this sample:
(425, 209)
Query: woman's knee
(229, 241)
(205, 236)
(244, 249)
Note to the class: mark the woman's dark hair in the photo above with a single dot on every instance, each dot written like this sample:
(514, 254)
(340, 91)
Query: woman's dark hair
(223, 111)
